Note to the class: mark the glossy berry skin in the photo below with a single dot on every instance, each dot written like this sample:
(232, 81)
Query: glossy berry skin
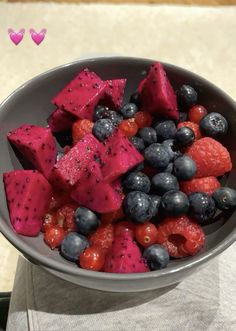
(156, 257)
(139, 167)
(92, 258)
(213, 125)
(138, 206)
(138, 143)
(183, 116)
(145, 234)
(184, 136)
(184, 167)
(49, 221)
(201, 207)
(80, 128)
(86, 221)
(193, 126)
(170, 146)
(148, 135)
(129, 110)
(157, 156)
(103, 128)
(186, 96)
(174, 203)
(143, 119)
(103, 237)
(135, 98)
(129, 127)
(100, 112)
(225, 198)
(196, 113)
(169, 168)
(165, 130)
(164, 182)
(136, 181)
(73, 245)
(115, 117)
(54, 235)
(124, 226)
(156, 200)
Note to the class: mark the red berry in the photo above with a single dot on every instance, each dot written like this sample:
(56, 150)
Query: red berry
(193, 126)
(196, 113)
(93, 258)
(124, 226)
(206, 184)
(54, 236)
(146, 234)
(143, 119)
(112, 216)
(129, 127)
(212, 158)
(49, 221)
(103, 237)
(180, 236)
(80, 128)
(65, 216)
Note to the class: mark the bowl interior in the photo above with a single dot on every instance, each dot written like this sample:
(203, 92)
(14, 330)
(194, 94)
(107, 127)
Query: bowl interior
(31, 104)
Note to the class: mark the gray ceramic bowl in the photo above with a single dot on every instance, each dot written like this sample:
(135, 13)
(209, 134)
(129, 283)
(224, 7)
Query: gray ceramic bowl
(31, 104)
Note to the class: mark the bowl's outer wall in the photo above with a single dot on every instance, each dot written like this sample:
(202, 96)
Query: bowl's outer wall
(32, 104)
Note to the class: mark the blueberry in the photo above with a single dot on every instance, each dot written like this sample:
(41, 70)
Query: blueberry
(225, 198)
(156, 256)
(135, 98)
(86, 221)
(156, 200)
(201, 207)
(183, 117)
(129, 110)
(186, 96)
(73, 245)
(169, 144)
(164, 182)
(165, 130)
(184, 136)
(213, 125)
(59, 156)
(174, 203)
(136, 181)
(157, 156)
(103, 128)
(184, 167)
(138, 143)
(100, 112)
(148, 135)
(169, 168)
(115, 117)
(138, 206)
(138, 167)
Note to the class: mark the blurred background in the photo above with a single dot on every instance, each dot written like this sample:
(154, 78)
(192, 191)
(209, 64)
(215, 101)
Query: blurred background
(196, 34)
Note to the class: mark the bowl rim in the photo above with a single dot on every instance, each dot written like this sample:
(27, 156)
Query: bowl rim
(44, 261)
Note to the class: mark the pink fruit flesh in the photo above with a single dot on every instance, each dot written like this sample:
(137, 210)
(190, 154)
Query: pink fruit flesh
(60, 120)
(114, 92)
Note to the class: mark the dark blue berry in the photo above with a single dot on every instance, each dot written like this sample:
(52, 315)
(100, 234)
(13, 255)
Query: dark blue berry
(138, 206)
(136, 181)
(103, 128)
(129, 110)
(86, 221)
(148, 135)
(184, 167)
(174, 203)
(138, 143)
(156, 257)
(213, 125)
(138, 167)
(183, 117)
(135, 98)
(100, 112)
(169, 168)
(164, 182)
(170, 146)
(165, 130)
(156, 200)
(225, 198)
(73, 245)
(157, 156)
(59, 156)
(184, 136)
(115, 117)
(201, 207)
(186, 96)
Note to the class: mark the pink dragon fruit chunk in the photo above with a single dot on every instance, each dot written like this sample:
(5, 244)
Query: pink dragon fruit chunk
(91, 191)
(37, 145)
(125, 256)
(114, 93)
(60, 120)
(157, 94)
(119, 156)
(81, 95)
(68, 170)
(28, 196)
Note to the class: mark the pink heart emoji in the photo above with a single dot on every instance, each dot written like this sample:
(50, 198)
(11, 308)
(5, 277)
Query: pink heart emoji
(16, 37)
(38, 37)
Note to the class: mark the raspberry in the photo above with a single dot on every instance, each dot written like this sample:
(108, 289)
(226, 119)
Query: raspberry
(180, 236)
(103, 237)
(206, 184)
(212, 158)
(193, 126)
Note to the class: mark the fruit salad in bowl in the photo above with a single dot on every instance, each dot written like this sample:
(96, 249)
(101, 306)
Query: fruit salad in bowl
(122, 181)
